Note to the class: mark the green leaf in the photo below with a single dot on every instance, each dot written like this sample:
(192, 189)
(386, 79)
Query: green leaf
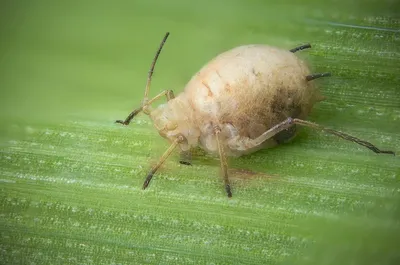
(71, 178)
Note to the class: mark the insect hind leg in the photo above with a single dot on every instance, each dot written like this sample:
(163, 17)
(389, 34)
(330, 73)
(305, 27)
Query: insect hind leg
(244, 143)
(146, 105)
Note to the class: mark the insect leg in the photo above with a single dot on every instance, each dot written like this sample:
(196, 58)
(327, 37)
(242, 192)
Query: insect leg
(343, 136)
(161, 161)
(302, 47)
(130, 116)
(224, 164)
(168, 93)
(245, 143)
(146, 91)
(186, 158)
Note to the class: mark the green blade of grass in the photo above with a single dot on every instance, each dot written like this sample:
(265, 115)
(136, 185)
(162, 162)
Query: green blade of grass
(71, 179)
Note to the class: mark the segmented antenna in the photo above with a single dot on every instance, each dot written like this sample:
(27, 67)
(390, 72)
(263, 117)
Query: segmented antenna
(150, 74)
(146, 91)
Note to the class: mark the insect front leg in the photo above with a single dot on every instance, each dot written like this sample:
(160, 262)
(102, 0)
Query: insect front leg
(146, 106)
(162, 160)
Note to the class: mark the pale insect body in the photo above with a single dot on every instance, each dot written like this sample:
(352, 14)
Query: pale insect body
(245, 99)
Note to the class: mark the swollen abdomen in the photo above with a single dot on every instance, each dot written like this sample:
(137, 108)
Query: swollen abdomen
(253, 88)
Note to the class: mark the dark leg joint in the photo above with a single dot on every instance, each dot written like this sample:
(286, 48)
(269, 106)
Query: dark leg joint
(185, 163)
(186, 158)
(122, 122)
(148, 179)
(318, 75)
(228, 190)
(302, 47)
(170, 95)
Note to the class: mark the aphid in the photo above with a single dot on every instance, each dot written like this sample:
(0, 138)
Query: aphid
(245, 99)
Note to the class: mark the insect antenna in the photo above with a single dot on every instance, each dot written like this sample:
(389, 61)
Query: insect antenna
(153, 64)
(343, 136)
(146, 91)
(317, 75)
(300, 48)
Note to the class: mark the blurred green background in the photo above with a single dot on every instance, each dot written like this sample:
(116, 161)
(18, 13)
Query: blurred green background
(71, 178)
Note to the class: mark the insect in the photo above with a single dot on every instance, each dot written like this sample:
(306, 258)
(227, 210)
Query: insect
(248, 98)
